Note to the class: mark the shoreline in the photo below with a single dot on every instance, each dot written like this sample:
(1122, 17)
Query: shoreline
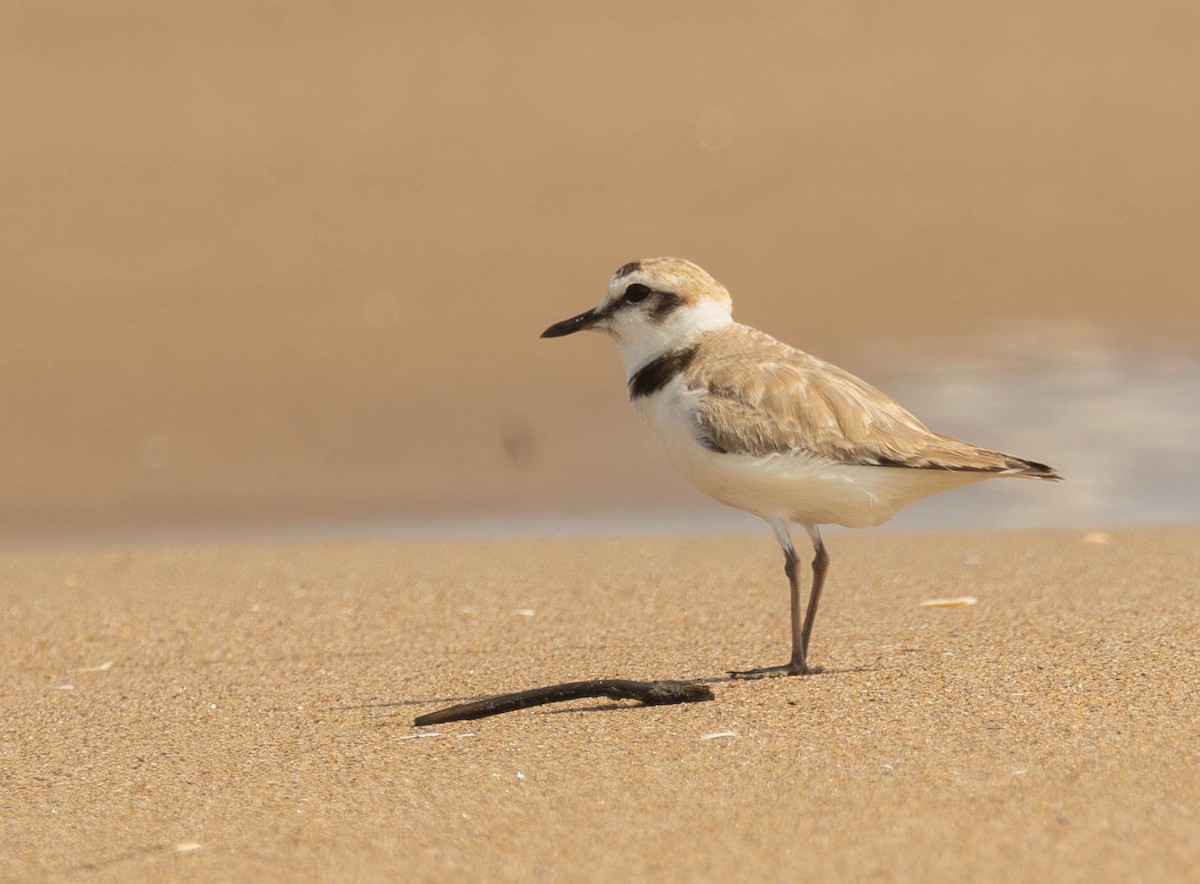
(704, 518)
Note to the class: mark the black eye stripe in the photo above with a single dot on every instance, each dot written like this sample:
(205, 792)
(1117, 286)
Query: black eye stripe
(636, 293)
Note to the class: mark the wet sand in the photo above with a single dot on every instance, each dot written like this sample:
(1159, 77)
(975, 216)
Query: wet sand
(226, 712)
(286, 265)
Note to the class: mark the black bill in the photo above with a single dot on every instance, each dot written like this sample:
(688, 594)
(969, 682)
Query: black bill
(570, 326)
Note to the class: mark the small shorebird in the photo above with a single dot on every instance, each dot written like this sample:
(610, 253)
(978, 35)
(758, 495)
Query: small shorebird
(768, 429)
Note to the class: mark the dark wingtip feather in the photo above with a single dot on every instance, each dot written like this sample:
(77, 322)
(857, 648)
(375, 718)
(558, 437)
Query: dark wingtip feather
(1035, 470)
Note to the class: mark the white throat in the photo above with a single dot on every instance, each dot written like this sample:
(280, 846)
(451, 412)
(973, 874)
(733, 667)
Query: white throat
(642, 341)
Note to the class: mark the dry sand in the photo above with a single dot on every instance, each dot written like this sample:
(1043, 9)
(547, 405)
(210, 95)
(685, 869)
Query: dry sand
(226, 713)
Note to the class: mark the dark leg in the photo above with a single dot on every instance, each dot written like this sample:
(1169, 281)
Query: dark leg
(820, 564)
(800, 631)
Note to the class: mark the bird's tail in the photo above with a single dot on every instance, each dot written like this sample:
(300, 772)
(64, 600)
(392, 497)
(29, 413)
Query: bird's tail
(1031, 469)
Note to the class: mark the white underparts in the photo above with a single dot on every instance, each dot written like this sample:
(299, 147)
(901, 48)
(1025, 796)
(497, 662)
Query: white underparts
(795, 486)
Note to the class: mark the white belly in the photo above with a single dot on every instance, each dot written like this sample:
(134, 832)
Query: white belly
(797, 487)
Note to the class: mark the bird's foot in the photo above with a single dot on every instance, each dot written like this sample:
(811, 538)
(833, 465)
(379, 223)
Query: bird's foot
(792, 668)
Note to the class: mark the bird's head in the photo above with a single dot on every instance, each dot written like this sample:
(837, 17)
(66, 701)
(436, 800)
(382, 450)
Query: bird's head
(653, 307)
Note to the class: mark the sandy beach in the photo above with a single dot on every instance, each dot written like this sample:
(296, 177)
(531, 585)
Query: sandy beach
(274, 276)
(269, 268)
(227, 712)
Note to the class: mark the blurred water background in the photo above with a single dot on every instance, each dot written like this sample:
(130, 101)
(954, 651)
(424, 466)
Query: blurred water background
(278, 269)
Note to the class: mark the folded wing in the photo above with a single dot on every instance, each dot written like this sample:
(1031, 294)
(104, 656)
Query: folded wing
(762, 397)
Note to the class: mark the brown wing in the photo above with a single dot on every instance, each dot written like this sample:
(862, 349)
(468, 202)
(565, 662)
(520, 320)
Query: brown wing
(763, 397)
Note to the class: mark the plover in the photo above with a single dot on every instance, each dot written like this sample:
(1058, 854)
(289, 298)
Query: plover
(766, 428)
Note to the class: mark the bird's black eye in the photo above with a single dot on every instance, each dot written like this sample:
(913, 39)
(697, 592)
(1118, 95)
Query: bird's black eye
(637, 293)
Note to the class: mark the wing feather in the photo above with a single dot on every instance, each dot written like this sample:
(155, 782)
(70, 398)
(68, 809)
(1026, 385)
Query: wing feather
(762, 397)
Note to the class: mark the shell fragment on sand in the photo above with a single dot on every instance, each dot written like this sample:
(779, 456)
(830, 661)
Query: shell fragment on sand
(958, 602)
